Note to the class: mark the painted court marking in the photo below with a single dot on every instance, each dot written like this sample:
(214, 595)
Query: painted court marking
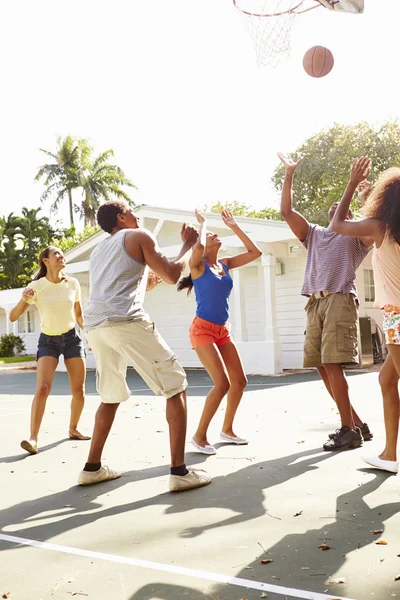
(174, 569)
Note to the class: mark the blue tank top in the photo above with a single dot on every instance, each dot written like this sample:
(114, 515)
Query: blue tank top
(212, 295)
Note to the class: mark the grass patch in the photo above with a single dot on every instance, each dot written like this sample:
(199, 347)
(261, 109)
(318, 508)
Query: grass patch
(16, 359)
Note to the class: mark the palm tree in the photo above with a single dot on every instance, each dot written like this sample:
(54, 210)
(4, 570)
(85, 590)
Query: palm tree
(61, 175)
(100, 181)
(34, 232)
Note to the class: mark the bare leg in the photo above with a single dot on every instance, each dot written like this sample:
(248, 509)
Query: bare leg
(325, 378)
(238, 382)
(46, 367)
(76, 368)
(214, 365)
(104, 419)
(389, 382)
(177, 421)
(340, 393)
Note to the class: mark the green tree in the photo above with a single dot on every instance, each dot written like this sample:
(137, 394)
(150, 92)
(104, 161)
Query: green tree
(327, 157)
(12, 259)
(242, 210)
(101, 181)
(34, 232)
(60, 176)
(68, 238)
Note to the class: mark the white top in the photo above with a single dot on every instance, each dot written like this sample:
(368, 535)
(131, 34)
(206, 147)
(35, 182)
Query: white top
(56, 303)
(117, 284)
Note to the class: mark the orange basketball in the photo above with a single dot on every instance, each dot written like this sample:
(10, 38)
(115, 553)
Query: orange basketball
(318, 61)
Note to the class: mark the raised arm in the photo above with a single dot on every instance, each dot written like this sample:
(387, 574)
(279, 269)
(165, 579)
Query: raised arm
(253, 251)
(368, 230)
(169, 270)
(22, 305)
(196, 259)
(297, 223)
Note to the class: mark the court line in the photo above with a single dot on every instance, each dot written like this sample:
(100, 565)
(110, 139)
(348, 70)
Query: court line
(175, 569)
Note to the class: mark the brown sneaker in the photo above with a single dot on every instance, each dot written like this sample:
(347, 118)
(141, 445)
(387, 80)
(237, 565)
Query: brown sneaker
(344, 439)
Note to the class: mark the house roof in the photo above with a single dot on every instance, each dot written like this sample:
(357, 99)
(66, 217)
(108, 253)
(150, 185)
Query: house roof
(262, 230)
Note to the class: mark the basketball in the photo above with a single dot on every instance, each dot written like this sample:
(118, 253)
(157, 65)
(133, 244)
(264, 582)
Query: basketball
(318, 61)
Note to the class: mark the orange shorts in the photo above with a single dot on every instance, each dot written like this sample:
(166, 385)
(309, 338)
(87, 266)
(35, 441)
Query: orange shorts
(203, 333)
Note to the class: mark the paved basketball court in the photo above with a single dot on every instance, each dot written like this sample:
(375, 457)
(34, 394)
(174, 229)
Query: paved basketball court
(279, 498)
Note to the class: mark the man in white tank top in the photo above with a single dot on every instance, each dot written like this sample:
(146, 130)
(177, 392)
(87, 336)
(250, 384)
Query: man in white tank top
(121, 333)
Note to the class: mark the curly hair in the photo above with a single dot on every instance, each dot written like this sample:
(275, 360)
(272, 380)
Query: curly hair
(384, 201)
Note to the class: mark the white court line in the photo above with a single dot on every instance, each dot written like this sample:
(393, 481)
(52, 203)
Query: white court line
(146, 564)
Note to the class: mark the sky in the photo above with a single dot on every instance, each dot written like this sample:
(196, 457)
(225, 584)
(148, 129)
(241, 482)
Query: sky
(174, 88)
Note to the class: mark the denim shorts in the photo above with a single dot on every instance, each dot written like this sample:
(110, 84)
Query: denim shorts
(69, 344)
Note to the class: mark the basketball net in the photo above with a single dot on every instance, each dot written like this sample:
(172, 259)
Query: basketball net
(270, 23)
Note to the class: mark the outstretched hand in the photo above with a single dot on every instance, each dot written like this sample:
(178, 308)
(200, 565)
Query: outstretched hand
(289, 164)
(360, 169)
(152, 280)
(199, 217)
(228, 219)
(189, 234)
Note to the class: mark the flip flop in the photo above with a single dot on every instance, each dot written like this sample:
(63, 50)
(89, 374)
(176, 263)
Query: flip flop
(31, 448)
(82, 437)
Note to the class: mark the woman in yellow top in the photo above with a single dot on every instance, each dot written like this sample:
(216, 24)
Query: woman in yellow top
(383, 225)
(57, 298)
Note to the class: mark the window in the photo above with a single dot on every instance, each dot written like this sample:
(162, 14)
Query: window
(26, 322)
(369, 285)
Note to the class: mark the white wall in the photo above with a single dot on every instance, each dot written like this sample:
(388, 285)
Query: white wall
(290, 313)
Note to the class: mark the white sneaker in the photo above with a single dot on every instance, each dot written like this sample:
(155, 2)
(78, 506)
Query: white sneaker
(194, 479)
(378, 463)
(103, 474)
(233, 439)
(204, 449)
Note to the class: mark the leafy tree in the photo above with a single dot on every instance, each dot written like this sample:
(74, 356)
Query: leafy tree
(60, 176)
(12, 260)
(327, 157)
(242, 210)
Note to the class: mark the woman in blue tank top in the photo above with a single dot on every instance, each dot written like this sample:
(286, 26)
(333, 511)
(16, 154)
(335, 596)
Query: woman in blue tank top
(210, 329)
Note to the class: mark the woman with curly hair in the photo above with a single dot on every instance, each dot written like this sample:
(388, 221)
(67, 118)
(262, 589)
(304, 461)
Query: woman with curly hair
(382, 223)
(210, 330)
(58, 300)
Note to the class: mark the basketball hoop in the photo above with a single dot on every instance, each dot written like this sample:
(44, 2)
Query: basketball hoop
(270, 23)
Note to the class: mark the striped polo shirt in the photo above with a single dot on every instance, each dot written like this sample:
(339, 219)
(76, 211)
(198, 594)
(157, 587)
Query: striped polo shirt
(117, 284)
(332, 261)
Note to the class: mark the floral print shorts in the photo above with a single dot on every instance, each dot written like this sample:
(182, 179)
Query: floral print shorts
(391, 324)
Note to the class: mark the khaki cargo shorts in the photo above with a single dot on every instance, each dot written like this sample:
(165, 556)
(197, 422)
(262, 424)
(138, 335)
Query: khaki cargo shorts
(137, 343)
(332, 330)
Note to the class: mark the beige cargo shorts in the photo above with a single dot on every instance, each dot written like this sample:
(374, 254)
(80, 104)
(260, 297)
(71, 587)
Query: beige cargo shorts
(137, 343)
(332, 330)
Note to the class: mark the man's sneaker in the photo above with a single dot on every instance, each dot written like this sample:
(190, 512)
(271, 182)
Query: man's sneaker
(366, 433)
(194, 479)
(344, 439)
(103, 474)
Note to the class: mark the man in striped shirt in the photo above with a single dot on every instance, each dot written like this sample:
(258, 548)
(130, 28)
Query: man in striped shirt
(332, 309)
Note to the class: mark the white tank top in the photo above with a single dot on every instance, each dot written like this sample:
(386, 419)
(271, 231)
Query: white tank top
(117, 284)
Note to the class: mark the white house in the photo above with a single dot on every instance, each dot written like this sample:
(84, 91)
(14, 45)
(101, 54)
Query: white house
(267, 310)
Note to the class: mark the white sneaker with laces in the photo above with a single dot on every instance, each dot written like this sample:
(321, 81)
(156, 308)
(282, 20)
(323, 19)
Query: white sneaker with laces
(194, 479)
(233, 439)
(103, 474)
(378, 463)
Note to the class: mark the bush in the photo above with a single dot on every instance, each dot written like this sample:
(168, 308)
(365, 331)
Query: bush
(11, 344)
